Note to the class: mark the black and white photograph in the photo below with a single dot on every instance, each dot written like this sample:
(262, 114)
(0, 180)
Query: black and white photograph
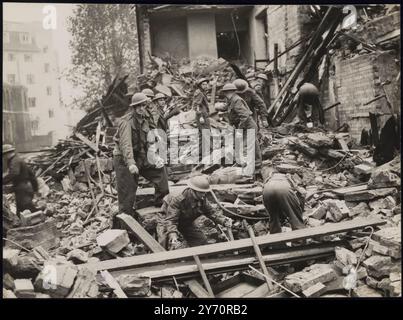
(189, 151)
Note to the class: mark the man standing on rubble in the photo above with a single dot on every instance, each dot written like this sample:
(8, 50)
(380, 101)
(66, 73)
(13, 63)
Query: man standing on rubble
(253, 101)
(200, 104)
(182, 210)
(134, 155)
(283, 202)
(240, 116)
(22, 178)
(308, 105)
(260, 85)
(160, 113)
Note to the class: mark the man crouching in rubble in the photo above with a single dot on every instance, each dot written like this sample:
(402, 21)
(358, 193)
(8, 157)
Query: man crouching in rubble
(309, 107)
(283, 202)
(130, 156)
(181, 211)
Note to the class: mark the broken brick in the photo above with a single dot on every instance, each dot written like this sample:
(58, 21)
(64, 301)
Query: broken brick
(361, 209)
(363, 169)
(30, 219)
(315, 291)
(390, 237)
(134, 286)
(309, 276)
(345, 257)
(365, 291)
(23, 288)
(378, 266)
(113, 240)
(77, 256)
(337, 210)
(56, 280)
(383, 179)
(319, 212)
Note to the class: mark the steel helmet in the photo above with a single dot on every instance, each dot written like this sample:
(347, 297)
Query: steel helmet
(262, 76)
(229, 87)
(159, 96)
(241, 85)
(138, 98)
(8, 148)
(148, 92)
(200, 81)
(199, 183)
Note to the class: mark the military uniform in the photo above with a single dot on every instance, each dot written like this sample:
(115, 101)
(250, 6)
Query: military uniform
(240, 116)
(180, 213)
(282, 202)
(131, 149)
(24, 183)
(201, 106)
(308, 94)
(255, 104)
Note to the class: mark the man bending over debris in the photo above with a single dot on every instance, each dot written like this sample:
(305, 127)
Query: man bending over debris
(23, 179)
(282, 201)
(130, 156)
(182, 210)
(308, 105)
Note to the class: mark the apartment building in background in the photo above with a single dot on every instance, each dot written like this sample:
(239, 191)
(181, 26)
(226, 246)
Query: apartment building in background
(30, 60)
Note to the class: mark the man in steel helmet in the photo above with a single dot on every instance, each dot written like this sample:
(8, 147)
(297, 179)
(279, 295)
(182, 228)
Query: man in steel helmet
(160, 113)
(182, 210)
(132, 156)
(252, 99)
(308, 105)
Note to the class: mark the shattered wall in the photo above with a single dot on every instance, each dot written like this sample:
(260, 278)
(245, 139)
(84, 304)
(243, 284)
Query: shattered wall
(286, 25)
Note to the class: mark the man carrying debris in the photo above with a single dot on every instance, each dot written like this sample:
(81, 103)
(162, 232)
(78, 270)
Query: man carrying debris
(240, 116)
(283, 202)
(22, 178)
(160, 113)
(201, 106)
(182, 210)
(134, 155)
(253, 101)
(308, 105)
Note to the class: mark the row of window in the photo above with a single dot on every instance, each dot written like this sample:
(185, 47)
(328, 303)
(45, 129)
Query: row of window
(30, 80)
(24, 37)
(27, 58)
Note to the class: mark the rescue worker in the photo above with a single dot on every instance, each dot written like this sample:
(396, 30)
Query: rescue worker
(260, 85)
(308, 105)
(182, 210)
(240, 116)
(161, 114)
(200, 104)
(253, 101)
(283, 202)
(24, 182)
(134, 155)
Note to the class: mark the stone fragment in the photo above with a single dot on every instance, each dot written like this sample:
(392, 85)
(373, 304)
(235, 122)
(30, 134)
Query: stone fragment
(56, 280)
(30, 219)
(315, 291)
(23, 288)
(395, 289)
(85, 285)
(337, 210)
(319, 140)
(77, 256)
(113, 240)
(363, 169)
(309, 276)
(390, 237)
(378, 266)
(365, 291)
(319, 212)
(288, 168)
(8, 294)
(362, 209)
(135, 286)
(345, 257)
(383, 177)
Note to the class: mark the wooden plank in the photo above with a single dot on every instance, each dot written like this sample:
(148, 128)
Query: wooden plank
(259, 292)
(204, 276)
(135, 227)
(188, 253)
(347, 190)
(154, 246)
(218, 265)
(113, 284)
(87, 141)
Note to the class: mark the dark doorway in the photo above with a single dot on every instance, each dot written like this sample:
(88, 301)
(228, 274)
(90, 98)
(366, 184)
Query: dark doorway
(228, 46)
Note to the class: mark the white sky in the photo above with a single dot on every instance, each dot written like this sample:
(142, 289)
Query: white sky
(29, 12)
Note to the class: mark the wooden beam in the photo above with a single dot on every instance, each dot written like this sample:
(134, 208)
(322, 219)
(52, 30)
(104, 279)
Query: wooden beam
(188, 253)
(204, 276)
(87, 141)
(189, 269)
(111, 281)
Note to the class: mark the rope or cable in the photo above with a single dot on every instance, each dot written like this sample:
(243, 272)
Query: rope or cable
(236, 35)
(233, 213)
(15, 243)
